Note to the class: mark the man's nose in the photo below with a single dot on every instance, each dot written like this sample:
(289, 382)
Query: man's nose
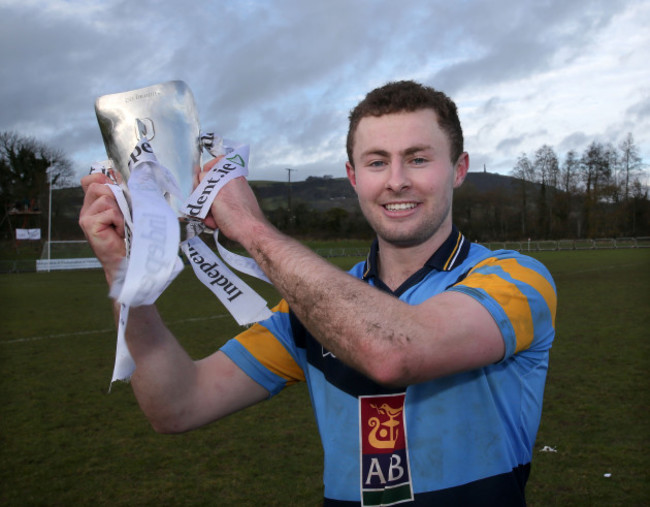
(398, 177)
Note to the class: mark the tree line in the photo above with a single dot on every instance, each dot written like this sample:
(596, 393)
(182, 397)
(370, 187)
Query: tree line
(601, 192)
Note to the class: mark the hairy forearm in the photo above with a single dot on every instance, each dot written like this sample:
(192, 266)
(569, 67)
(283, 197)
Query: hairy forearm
(360, 325)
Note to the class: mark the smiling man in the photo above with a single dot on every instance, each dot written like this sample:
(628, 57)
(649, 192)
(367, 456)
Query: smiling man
(426, 363)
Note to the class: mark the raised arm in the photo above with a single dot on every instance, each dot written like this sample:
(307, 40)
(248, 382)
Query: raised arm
(390, 341)
(175, 393)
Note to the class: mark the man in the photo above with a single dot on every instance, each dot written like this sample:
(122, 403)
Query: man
(426, 367)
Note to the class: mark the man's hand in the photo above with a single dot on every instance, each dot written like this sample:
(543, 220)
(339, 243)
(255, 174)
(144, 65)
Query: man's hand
(102, 223)
(235, 211)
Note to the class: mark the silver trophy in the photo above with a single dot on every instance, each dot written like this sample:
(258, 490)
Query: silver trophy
(166, 115)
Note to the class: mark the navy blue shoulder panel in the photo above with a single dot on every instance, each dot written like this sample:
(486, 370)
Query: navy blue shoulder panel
(338, 374)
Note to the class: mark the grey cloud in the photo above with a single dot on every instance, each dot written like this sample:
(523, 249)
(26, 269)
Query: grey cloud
(521, 38)
(575, 141)
(639, 111)
(282, 74)
(510, 144)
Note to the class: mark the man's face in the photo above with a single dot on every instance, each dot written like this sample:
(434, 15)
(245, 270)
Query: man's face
(404, 177)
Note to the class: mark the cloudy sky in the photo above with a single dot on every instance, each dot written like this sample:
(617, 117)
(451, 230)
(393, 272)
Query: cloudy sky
(282, 75)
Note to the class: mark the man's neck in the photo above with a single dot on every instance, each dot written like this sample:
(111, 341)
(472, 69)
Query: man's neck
(397, 263)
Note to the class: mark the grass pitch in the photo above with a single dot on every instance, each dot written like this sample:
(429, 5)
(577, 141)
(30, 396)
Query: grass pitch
(65, 441)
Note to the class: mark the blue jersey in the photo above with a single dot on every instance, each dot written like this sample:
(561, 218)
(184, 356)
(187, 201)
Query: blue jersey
(464, 439)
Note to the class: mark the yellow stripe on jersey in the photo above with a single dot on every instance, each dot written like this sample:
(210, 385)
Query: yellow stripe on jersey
(460, 236)
(535, 280)
(261, 343)
(529, 277)
(513, 302)
(282, 307)
(511, 299)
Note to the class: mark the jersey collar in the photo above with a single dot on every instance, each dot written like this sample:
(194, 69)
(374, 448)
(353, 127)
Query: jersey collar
(450, 254)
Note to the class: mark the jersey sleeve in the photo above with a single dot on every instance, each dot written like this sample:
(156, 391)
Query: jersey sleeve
(266, 352)
(520, 294)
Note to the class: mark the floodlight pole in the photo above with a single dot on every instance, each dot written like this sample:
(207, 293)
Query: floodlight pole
(49, 221)
(289, 193)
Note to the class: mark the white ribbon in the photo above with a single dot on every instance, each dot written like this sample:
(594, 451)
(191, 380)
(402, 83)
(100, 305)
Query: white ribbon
(153, 260)
(239, 262)
(231, 166)
(243, 303)
(124, 364)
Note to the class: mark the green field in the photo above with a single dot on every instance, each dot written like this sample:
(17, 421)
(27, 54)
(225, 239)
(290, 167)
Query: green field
(66, 441)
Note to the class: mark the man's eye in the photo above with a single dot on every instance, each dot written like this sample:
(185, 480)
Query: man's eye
(418, 161)
(377, 163)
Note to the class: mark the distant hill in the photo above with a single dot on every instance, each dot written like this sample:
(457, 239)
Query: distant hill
(323, 193)
(488, 182)
(318, 193)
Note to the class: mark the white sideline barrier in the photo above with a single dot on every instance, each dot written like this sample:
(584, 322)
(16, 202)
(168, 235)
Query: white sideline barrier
(61, 264)
(523, 246)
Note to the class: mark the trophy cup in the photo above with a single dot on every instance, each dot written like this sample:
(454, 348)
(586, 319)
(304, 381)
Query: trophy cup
(166, 115)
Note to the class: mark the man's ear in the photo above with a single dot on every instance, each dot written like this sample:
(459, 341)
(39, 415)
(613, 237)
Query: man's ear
(352, 176)
(461, 168)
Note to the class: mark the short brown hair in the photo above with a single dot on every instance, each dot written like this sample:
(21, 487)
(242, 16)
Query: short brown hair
(409, 96)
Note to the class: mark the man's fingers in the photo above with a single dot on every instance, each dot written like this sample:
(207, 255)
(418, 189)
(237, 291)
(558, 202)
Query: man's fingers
(89, 179)
(100, 210)
(94, 190)
(107, 211)
(102, 223)
(209, 165)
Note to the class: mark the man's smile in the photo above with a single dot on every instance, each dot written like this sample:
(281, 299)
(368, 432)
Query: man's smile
(400, 206)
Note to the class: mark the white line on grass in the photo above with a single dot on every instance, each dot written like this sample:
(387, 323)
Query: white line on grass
(109, 330)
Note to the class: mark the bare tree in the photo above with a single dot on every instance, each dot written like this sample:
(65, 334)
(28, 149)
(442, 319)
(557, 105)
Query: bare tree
(596, 171)
(630, 163)
(568, 212)
(547, 170)
(525, 173)
(595, 168)
(569, 173)
(26, 167)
